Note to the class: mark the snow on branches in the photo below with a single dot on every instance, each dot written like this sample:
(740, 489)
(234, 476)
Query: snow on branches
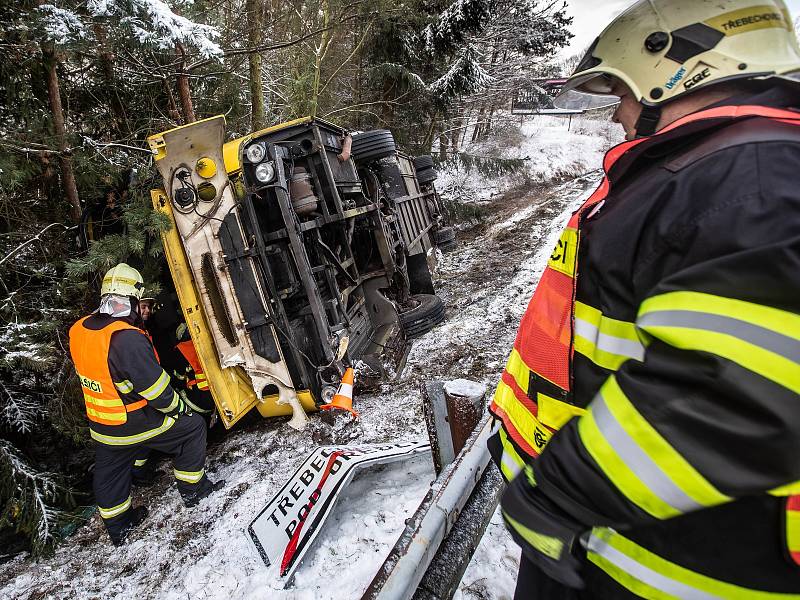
(465, 76)
(27, 497)
(60, 25)
(23, 357)
(152, 22)
(458, 20)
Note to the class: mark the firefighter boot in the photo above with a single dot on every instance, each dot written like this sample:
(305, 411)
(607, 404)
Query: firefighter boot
(204, 488)
(119, 535)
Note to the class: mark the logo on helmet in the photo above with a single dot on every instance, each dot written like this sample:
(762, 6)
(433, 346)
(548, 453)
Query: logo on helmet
(675, 78)
(697, 78)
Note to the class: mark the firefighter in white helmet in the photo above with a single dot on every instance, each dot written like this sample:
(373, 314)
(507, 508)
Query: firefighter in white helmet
(131, 405)
(650, 409)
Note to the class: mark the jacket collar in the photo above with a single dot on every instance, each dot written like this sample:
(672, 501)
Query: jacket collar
(702, 123)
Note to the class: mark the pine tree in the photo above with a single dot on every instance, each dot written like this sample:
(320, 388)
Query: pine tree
(71, 115)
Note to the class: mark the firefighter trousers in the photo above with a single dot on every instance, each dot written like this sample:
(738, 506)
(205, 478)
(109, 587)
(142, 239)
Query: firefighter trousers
(533, 584)
(185, 441)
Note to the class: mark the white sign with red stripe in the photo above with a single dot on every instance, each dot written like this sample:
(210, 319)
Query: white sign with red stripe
(284, 530)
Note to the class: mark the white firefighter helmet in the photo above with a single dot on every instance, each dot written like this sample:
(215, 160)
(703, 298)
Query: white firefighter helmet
(123, 280)
(663, 49)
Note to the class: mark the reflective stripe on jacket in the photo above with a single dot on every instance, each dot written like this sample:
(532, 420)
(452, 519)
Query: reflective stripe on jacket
(188, 351)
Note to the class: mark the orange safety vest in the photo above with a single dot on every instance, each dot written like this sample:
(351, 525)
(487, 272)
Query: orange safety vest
(190, 354)
(533, 398)
(89, 350)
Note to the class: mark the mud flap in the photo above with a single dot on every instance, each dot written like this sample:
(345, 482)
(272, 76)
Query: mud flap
(285, 529)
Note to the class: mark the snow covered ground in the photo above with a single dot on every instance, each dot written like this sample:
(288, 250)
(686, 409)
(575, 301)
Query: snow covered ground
(203, 552)
(553, 148)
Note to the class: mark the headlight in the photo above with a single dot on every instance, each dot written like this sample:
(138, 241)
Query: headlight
(255, 153)
(265, 172)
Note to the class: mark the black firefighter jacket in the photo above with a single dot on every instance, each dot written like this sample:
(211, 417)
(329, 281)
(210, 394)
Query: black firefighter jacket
(677, 469)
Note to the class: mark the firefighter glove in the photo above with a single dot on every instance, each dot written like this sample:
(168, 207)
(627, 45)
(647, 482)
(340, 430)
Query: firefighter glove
(546, 533)
(180, 409)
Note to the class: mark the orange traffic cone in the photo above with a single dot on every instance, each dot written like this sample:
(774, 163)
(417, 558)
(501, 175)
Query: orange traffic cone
(343, 400)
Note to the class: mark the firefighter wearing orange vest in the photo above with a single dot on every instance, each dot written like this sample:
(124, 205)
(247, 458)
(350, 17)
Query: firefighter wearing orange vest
(131, 405)
(191, 372)
(144, 472)
(650, 408)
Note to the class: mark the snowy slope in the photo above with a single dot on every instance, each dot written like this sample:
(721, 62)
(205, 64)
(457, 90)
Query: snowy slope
(553, 148)
(204, 553)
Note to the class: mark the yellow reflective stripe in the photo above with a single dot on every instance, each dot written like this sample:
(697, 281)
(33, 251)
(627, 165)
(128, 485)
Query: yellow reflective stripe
(793, 530)
(125, 387)
(155, 390)
(172, 405)
(547, 545)
(115, 416)
(756, 314)
(194, 407)
(100, 402)
(605, 341)
(759, 338)
(126, 440)
(649, 576)
(675, 466)
(536, 434)
(554, 413)
(189, 476)
(790, 489)
(564, 254)
(601, 358)
(529, 475)
(140, 462)
(511, 463)
(517, 368)
(108, 513)
(202, 385)
(639, 588)
(200, 376)
(769, 365)
(614, 327)
(614, 467)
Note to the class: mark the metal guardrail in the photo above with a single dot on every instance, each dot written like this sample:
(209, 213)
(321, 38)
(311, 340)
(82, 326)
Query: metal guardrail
(404, 568)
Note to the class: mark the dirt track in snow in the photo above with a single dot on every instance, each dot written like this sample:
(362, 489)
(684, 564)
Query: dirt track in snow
(201, 553)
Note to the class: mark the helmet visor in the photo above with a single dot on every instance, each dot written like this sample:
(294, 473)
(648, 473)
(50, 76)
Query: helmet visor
(587, 92)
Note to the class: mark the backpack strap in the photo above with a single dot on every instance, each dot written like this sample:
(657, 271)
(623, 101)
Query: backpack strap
(754, 130)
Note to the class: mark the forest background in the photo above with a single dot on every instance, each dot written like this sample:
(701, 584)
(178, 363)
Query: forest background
(84, 82)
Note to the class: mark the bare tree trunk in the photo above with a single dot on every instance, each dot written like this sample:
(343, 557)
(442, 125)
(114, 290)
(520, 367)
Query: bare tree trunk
(255, 25)
(184, 92)
(442, 147)
(106, 60)
(174, 113)
(488, 128)
(319, 55)
(359, 86)
(476, 133)
(60, 131)
(428, 142)
(455, 134)
(465, 122)
(388, 108)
